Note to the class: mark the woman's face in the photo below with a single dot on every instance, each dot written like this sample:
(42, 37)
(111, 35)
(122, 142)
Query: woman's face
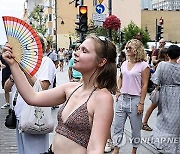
(85, 60)
(129, 50)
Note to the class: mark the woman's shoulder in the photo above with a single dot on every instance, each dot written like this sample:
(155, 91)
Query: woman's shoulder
(162, 63)
(103, 102)
(103, 95)
(72, 85)
(144, 63)
(124, 63)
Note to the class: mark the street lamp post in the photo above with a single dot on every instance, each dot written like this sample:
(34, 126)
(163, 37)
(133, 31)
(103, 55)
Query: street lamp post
(56, 25)
(110, 13)
(40, 17)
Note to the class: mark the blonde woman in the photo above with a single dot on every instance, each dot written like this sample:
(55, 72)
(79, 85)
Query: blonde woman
(132, 87)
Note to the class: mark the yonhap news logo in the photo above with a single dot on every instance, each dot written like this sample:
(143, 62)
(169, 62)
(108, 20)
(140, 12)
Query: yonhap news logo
(146, 140)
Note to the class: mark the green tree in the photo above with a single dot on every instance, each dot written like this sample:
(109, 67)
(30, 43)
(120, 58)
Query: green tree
(132, 31)
(38, 20)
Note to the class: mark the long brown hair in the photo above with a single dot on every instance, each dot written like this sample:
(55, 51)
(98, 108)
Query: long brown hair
(107, 75)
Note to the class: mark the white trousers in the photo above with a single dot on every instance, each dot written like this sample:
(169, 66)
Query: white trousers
(127, 107)
(31, 143)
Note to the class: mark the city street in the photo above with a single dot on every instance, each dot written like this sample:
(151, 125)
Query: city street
(8, 137)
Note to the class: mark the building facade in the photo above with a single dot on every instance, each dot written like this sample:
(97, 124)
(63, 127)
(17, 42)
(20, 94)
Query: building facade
(166, 5)
(127, 11)
(170, 27)
(61, 20)
(138, 11)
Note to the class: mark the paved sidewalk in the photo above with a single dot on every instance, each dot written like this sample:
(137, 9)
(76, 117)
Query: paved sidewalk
(8, 137)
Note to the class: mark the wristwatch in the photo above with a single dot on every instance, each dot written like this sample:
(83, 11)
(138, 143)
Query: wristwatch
(11, 79)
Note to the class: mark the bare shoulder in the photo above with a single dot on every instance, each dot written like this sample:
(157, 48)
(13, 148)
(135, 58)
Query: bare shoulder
(103, 106)
(104, 97)
(68, 87)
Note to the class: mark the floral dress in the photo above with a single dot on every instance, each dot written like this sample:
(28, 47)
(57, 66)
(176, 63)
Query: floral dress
(166, 134)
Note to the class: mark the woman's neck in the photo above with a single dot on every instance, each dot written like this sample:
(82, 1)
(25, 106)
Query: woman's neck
(131, 60)
(173, 60)
(88, 82)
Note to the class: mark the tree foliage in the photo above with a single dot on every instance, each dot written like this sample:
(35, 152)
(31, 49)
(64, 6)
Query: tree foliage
(38, 20)
(132, 30)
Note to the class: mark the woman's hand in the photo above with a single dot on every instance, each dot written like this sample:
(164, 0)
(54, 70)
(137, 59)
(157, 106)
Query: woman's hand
(8, 55)
(118, 93)
(140, 108)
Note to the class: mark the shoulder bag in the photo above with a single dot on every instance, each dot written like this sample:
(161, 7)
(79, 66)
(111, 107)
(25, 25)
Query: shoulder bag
(154, 97)
(36, 120)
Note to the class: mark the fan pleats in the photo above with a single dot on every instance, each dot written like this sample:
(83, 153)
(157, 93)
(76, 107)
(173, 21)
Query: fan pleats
(26, 44)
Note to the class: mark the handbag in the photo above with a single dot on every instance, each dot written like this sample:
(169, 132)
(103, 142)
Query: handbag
(10, 121)
(154, 97)
(34, 119)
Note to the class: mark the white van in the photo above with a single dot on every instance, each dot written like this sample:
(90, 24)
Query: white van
(154, 43)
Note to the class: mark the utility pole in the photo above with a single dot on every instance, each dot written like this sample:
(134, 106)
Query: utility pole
(81, 34)
(56, 24)
(110, 13)
(156, 34)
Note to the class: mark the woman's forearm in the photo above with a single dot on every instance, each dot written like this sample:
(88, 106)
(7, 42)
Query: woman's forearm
(145, 80)
(119, 82)
(143, 94)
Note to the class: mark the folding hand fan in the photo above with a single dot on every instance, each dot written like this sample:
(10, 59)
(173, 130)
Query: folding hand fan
(26, 44)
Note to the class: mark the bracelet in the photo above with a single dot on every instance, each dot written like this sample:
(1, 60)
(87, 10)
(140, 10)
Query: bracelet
(118, 90)
(141, 103)
(11, 79)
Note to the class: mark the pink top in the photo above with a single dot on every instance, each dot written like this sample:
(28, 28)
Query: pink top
(131, 80)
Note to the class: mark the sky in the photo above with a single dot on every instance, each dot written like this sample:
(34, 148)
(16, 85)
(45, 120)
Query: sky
(9, 8)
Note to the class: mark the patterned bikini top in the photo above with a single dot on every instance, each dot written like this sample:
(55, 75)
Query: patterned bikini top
(76, 127)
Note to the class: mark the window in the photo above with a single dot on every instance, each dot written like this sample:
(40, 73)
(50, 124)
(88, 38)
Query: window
(94, 2)
(49, 31)
(50, 17)
(48, 3)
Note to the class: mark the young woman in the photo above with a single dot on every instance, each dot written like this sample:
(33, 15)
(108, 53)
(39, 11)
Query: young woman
(167, 128)
(162, 56)
(85, 118)
(132, 87)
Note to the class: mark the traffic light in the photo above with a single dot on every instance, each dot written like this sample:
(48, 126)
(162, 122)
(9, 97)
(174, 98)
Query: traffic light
(83, 20)
(159, 32)
(122, 37)
(77, 3)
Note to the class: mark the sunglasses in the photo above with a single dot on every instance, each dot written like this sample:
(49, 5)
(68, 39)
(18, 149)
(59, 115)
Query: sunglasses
(105, 42)
(128, 48)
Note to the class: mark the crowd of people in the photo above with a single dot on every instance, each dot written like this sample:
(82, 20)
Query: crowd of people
(88, 98)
